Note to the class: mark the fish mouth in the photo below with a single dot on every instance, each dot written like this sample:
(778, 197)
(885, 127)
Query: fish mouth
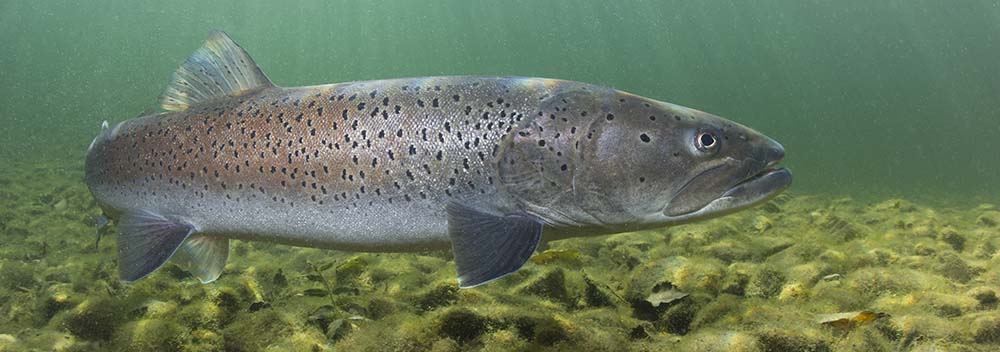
(752, 190)
(761, 186)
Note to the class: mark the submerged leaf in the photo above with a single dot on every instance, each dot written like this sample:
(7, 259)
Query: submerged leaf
(664, 297)
(849, 320)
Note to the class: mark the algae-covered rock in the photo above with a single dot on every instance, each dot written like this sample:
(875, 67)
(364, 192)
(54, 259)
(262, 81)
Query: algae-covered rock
(440, 295)
(563, 256)
(755, 280)
(951, 236)
(95, 318)
(736, 279)
(695, 275)
(718, 309)
(57, 298)
(721, 341)
(985, 249)
(502, 341)
(551, 285)
(952, 266)
(257, 331)
(53, 341)
(729, 250)
(986, 328)
(878, 281)
(925, 327)
(793, 291)
(895, 204)
(543, 330)
(866, 338)
(548, 332)
(839, 229)
(203, 314)
(7, 342)
(306, 340)
(594, 295)
(792, 340)
(762, 223)
(379, 307)
(989, 218)
(678, 317)
(765, 282)
(149, 335)
(229, 302)
(445, 345)
(986, 297)
(461, 324)
(204, 341)
(17, 275)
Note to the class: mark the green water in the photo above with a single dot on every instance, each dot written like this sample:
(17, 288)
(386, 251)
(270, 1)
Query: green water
(890, 97)
(871, 99)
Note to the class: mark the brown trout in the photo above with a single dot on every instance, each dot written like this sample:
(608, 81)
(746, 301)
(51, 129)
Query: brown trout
(487, 166)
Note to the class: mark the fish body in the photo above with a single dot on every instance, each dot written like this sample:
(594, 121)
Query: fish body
(487, 166)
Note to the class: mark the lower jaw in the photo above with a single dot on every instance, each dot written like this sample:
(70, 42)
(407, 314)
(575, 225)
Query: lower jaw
(756, 190)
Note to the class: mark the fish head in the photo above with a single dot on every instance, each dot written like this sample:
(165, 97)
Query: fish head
(657, 164)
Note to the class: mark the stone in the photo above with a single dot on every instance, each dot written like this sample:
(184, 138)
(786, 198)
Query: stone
(461, 324)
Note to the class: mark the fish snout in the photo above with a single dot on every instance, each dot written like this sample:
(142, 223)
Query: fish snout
(773, 151)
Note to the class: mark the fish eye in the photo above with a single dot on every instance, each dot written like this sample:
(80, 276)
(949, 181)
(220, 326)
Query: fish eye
(705, 141)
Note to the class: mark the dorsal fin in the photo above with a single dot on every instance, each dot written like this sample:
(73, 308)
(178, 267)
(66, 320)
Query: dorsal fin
(219, 68)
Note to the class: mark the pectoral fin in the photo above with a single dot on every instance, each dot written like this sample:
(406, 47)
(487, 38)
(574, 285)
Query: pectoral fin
(488, 246)
(147, 240)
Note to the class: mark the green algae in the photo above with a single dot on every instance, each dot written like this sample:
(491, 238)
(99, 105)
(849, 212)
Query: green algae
(752, 281)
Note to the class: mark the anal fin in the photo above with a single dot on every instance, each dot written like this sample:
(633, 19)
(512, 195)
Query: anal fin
(487, 246)
(146, 241)
(203, 256)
